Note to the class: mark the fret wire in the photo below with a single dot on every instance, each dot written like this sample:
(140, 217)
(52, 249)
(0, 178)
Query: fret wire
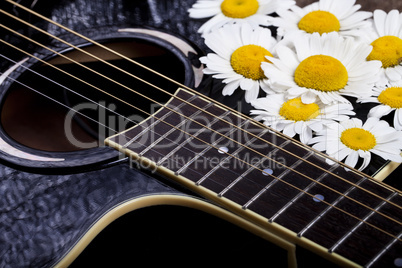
(266, 187)
(181, 145)
(245, 206)
(299, 195)
(155, 123)
(222, 162)
(339, 199)
(213, 145)
(278, 178)
(197, 155)
(162, 137)
(146, 82)
(387, 247)
(173, 126)
(345, 180)
(245, 173)
(360, 223)
(172, 129)
(224, 114)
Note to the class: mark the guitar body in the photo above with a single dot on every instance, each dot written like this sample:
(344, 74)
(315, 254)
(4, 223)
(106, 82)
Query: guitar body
(56, 198)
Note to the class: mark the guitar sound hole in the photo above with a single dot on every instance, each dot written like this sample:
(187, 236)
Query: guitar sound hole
(44, 123)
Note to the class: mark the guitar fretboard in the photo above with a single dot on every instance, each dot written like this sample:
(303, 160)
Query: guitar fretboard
(267, 176)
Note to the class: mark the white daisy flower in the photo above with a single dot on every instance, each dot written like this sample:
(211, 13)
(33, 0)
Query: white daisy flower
(327, 67)
(294, 117)
(389, 100)
(351, 140)
(323, 16)
(233, 11)
(239, 51)
(385, 36)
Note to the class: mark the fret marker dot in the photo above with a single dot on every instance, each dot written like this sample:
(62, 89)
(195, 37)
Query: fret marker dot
(223, 150)
(398, 262)
(267, 172)
(318, 198)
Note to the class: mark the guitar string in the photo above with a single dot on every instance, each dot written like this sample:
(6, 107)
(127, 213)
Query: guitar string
(287, 183)
(305, 160)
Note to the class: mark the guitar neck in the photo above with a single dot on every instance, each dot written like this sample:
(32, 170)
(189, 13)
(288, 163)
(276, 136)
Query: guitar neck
(269, 179)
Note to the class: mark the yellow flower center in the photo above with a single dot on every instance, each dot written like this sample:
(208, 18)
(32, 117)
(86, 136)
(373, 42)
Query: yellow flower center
(388, 50)
(319, 22)
(321, 72)
(239, 9)
(296, 110)
(392, 97)
(358, 139)
(246, 60)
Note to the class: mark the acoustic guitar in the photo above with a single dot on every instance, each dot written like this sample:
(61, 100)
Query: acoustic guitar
(108, 120)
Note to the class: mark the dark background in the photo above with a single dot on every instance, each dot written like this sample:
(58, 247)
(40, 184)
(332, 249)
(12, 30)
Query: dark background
(368, 5)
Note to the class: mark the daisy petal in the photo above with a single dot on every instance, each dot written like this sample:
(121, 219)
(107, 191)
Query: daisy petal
(305, 135)
(366, 159)
(398, 119)
(289, 130)
(387, 156)
(351, 159)
(392, 23)
(309, 97)
(320, 146)
(379, 111)
(230, 88)
(393, 74)
(379, 18)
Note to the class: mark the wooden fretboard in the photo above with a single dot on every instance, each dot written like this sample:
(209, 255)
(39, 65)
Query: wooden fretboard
(270, 179)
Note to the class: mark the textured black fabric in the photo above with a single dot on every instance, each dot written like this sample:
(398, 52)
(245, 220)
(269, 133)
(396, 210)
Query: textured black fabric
(43, 216)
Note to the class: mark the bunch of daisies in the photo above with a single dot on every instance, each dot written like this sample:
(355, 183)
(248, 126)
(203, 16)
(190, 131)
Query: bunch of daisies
(306, 81)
